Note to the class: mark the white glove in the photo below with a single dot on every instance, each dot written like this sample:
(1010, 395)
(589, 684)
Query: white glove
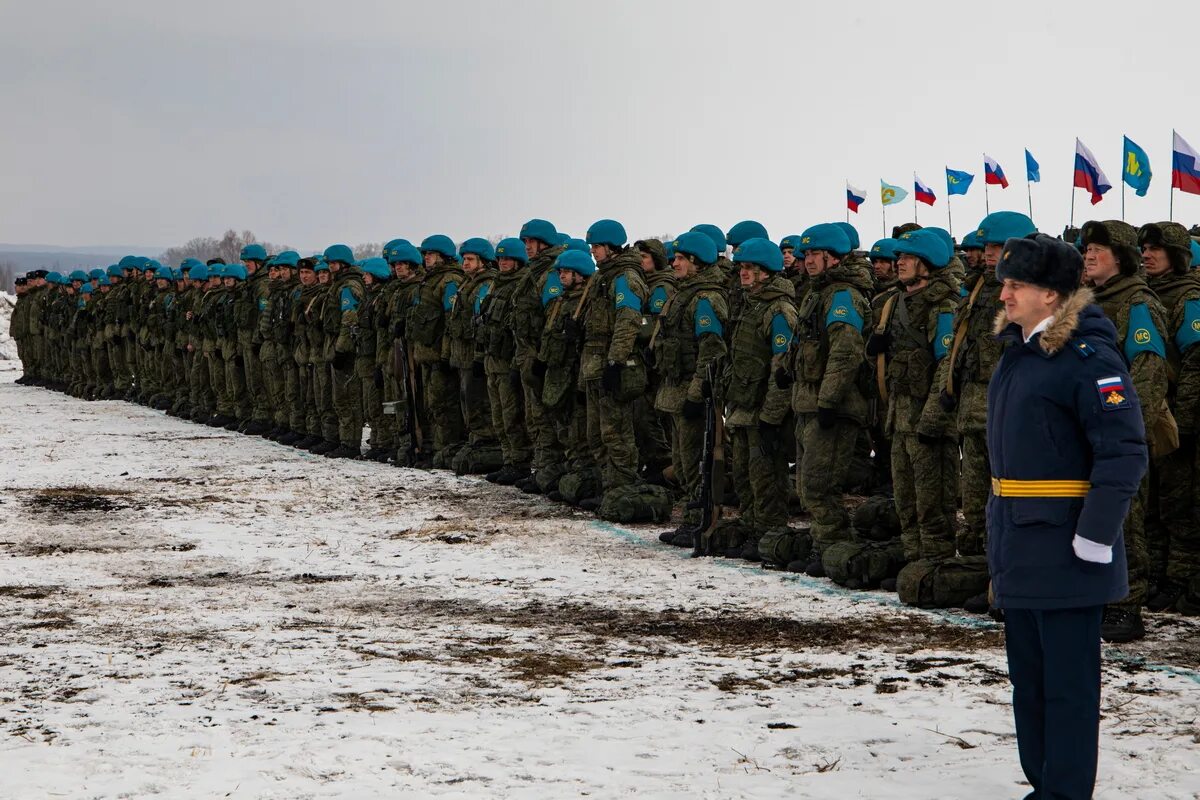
(1087, 550)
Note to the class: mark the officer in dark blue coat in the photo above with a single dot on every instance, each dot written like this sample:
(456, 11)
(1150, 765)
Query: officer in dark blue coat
(1068, 450)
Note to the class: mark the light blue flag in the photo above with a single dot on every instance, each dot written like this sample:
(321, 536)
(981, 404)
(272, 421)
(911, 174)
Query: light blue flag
(957, 181)
(1033, 170)
(1136, 172)
(890, 195)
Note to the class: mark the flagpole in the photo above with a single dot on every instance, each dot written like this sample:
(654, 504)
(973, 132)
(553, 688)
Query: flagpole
(883, 210)
(1029, 194)
(987, 206)
(1122, 195)
(1171, 202)
(949, 214)
(1072, 203)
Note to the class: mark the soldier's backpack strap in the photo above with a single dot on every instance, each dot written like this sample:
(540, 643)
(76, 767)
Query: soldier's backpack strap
(960, 333)
(885, 316)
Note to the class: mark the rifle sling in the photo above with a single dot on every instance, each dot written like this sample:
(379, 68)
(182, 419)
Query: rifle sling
(960, 333)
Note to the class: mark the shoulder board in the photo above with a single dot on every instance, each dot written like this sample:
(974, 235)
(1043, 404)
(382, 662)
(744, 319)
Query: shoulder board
(1081, 348)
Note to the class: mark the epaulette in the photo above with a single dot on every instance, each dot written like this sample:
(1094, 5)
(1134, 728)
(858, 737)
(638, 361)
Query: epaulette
(1082, 348)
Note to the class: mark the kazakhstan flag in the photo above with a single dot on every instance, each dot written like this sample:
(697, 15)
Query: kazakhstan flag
(1137, 168)
(890, 195)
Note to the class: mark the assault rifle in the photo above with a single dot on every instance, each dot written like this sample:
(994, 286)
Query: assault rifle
(410, 377)
(712, 465)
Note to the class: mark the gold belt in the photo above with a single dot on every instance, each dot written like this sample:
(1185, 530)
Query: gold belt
(1007, 487)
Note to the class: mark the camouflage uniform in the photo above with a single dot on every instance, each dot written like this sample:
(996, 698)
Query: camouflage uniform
(761, 339)
(504, 394)
(829, 392)
(923, 471)
(426, 325)
(251, 302)
(689, 335)
(465, 353)
(1139, 318)
(398, 390)
(339, 319)
(611, 320)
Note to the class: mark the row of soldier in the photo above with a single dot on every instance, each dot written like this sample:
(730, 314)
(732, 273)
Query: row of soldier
(589, 370)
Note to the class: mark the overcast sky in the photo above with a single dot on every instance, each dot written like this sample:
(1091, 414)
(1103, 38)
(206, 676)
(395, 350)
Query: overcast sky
(317, 122)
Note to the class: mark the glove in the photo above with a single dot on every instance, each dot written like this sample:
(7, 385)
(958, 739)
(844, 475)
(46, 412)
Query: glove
(378, 377)
(768, 437)
(783, 378)
(826, 418)
(343, 361)
(539, 368)
(611, 379)
(693, 410)
(925, 438)
(571, 329)
(477, 370)
(879, 343)
(947, 401)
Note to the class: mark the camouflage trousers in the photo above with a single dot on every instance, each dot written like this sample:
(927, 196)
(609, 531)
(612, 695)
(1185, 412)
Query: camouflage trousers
(652, 444)
(348, 406)
(120, 369)
(256, 404)
(507, 404)
(547, 450)
(371, 390)
(442, 412)
(924, 478)
(975, 487)
(216, 380)
(272, 378)
(476, 405)
(1136, 555)
(687, 448)
(611, 437)
(760, 478)
(1173, 535)
(234, 396)
(324, 419)
(828, 455)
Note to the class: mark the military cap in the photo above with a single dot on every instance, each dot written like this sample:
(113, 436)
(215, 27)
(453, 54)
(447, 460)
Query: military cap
(654, 248)
(1119, 236)
(1042, 261)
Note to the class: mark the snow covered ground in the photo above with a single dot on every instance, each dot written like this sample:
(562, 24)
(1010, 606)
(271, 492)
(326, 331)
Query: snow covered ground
(193, 613)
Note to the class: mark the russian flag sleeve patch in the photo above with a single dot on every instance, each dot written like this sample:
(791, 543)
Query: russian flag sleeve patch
(1113, 394)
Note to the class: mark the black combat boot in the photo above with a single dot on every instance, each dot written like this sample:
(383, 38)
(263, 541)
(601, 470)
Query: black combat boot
(1122, 624)
(322, 447)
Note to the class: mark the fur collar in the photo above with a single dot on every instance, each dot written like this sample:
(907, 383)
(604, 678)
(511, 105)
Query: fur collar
(1062, 324)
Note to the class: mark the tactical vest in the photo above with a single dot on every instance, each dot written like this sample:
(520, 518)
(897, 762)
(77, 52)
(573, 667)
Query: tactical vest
(427, 315)
(462, 321)
(676, 347)
(750, 347)
(495, 333)
(364, 345)
(528, 311)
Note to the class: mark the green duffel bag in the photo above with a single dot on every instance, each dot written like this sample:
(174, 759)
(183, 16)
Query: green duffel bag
(942, 583)
(876, 519)
(862, 564)
(637, 502)
(479, 459)
(574, 486)
(783, 546)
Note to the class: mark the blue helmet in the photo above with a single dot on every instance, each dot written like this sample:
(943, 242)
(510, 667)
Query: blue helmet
(199, 272)
(78, 275)
(1000, 226)
(884, 248)
(827, 236)
(113, 271)
(403, 252)
(945, 236)
(789, 242)
(190, 264)
(440, 243)
(714, 233)
(85, 289)
(576, 262)
(1195, 253)
(127, 262)
(94, 274)
(150, 264)
(513, 248)
(760, 252)
(164, 273)
(319, 265)
(541, 230)
(288, 258)
(578, 244)
(607, 232)
(103, 281)
(669, 250)
(926, 245)
(480, 247)
(54, 277)
(851, 234)
(744, 231)
(971, 241)
(235, 271)
(253, 252)
(697, 245)
(340, 253)
(391, 247)
(563, 238)
(376, 267)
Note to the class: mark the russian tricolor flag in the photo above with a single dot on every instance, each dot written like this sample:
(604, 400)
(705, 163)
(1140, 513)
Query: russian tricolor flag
(992, 173)
(1114, 384)
(923, 193)
(1185, 166)
(854, 198)
(1088, 174)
